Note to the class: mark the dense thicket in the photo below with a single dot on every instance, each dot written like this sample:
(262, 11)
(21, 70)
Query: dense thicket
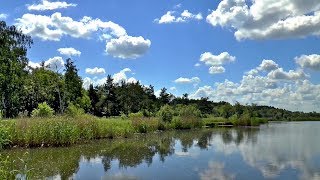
(23, 88)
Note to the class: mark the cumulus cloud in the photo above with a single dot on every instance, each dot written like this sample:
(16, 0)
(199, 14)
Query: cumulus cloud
(55, 64)
(216, 61)
(95, 71)
(216, 69)
(117, 78)
(55, 26)
(47, 5)
(69, 52)
(309, 61)
(185, 16)
(33, 65)
(290, 75)
(3, 16)
(276, 88)
(87, 82)
(128, 47)
(268, 65)
(268, 19)
(182, 80)
(121, 76)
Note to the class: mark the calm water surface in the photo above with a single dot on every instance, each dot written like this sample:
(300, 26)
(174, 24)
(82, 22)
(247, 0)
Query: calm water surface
(273, 151)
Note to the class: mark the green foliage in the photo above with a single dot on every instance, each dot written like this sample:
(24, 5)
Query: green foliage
(43, 110)
(73, 82)
(73, 110)
(13, 61)
(5, 169)
(84, 102)
(136, 115)
(166, 113)
(5, 136)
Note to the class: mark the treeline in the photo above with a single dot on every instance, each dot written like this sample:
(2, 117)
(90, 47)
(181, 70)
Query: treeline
(23, 89)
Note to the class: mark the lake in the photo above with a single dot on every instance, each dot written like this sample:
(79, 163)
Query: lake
(289, 150)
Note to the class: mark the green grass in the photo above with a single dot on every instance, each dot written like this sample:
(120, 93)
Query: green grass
(66, 130)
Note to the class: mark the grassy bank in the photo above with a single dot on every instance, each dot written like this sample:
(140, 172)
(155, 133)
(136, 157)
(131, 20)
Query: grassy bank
(64, 130)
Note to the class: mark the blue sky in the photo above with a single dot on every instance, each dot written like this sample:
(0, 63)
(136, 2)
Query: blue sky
(225, 50)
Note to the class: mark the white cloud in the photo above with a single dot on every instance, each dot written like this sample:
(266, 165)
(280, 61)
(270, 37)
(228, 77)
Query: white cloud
(121, 76)
(216, 61)
(3, 16)
(117, 78)
(173, 88)
(87, 82)
(216, 69)
(166, 18)
(69, 52)
(47, 5)
(128, 47)
(185, 16)
(55, 26)
(95, 71)
(309, 61)
(132, 80)
(268, 65)
(55, 63)
(33, 65)
(182, 80)
(268, 19)
(276, 88)
(197, 65)
(283, 75)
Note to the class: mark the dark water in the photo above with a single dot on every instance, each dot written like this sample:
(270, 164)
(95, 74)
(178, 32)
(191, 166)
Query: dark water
(274, 151)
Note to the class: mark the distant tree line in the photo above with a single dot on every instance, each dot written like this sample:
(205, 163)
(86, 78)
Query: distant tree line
(23, 88)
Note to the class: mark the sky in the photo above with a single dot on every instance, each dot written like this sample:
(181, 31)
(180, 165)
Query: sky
(249, 51)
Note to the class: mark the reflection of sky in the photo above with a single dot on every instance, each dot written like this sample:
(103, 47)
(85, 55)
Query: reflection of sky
(280, 148)
(276, 151)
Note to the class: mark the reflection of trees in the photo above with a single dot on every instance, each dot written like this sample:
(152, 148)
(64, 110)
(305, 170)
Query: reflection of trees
(204, 140)
(239, 135)
(48, 162)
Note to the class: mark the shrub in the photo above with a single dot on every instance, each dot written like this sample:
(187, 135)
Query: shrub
(74, 111)
(166, 113)
(136, 115)
(4, 137)
(43, 110)
(190, 110)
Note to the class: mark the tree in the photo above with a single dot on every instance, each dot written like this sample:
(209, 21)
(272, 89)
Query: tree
(165, 97)
(73, 82)
(13, 62)
(42, 85)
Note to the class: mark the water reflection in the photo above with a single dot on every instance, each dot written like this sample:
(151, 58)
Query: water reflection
(276, 151)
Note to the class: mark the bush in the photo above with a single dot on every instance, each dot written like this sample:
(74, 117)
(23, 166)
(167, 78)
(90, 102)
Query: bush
(74, 111)
(4, 137)
(188, 111)
(136, 115)
(166, 113)
(43, 110)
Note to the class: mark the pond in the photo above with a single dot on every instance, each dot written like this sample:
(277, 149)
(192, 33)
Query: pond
(288, 150)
